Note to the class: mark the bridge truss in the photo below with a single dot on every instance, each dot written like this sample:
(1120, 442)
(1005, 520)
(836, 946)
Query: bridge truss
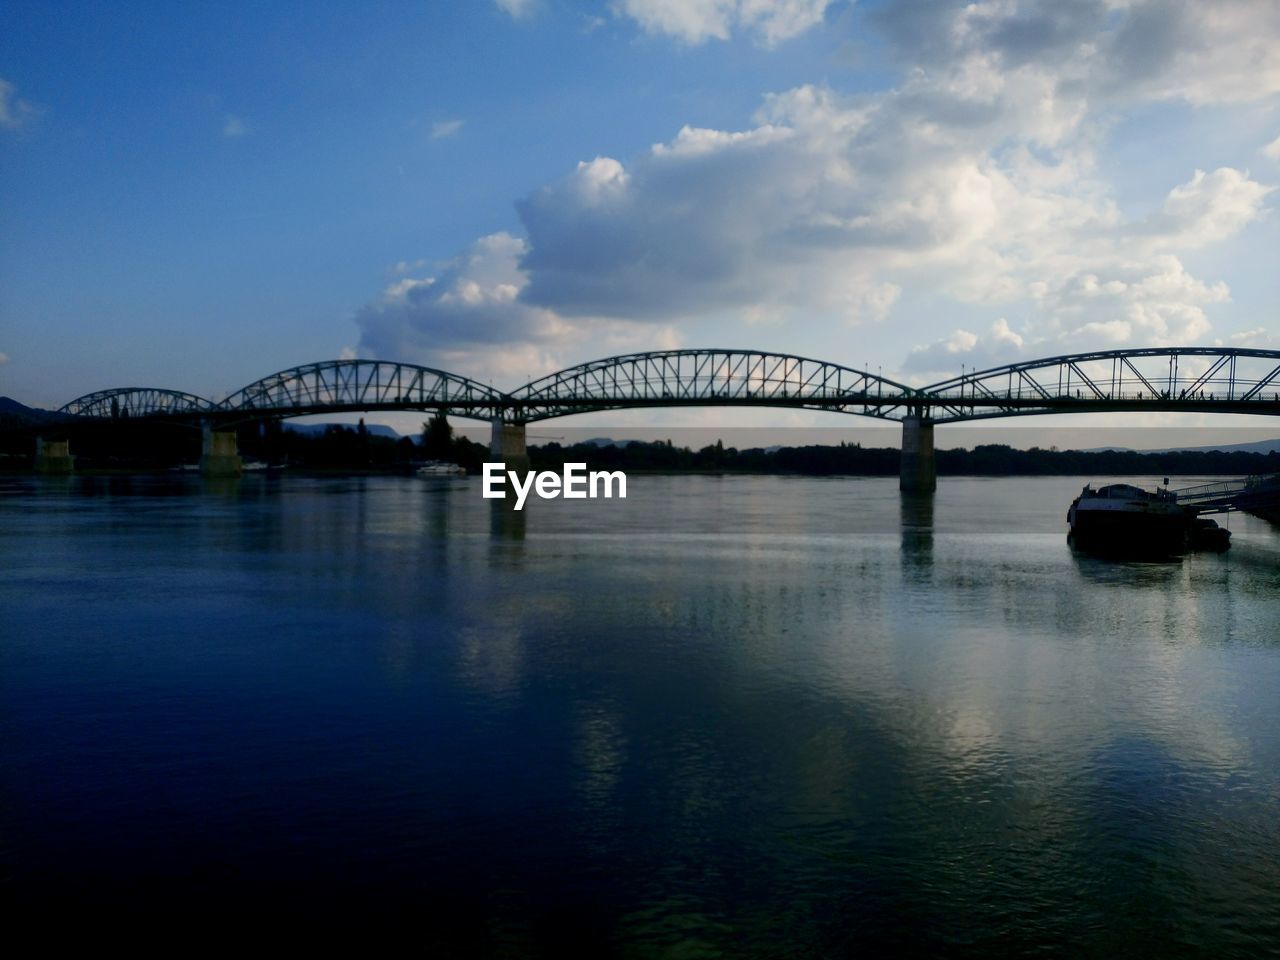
(135, 402)
(361, 385)
(674, 378)
(1182, 379)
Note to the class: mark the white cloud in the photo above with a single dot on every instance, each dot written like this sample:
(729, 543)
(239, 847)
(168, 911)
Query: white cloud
(975, 180)
(517, 8)
(1272, 149)
(469, 319)
(1207, 210)
(1227, 51)
(835, 205)
(1145, 302)
(347, 353)
(944, 357)
(1221, 52)
(1257, 337)
(696, 21)
(445, 128)
(465, 318)
(15, 113)
(233, 127)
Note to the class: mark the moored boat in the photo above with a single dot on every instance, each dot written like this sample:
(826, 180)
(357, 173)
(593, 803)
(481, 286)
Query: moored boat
(1120, 518)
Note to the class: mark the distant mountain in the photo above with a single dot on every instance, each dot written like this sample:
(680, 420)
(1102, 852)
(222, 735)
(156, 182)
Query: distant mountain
(1257, 446)
(317, 429)
(13, 413)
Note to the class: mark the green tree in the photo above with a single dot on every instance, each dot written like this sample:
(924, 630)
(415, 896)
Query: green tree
(437, 438)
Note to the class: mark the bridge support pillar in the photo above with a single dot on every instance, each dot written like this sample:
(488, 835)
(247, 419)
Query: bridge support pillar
(220, 456)
(507, 444)
(918, 472)
(53, 456)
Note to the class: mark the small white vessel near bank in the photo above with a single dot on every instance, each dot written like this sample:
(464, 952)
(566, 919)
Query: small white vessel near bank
(438, 468)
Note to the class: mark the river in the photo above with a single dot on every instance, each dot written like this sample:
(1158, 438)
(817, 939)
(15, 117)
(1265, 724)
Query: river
(726, 716)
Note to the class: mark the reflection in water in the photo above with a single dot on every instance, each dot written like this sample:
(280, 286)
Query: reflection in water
(743, 716)
(505, 521)
(916, 520)
(225, 487)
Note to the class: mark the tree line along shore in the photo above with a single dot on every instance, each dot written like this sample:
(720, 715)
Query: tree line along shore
(142, 445)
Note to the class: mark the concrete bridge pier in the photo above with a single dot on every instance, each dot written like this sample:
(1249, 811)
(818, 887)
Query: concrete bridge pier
(220, 456)
(918, 473)
(507, 445)
(53, 456)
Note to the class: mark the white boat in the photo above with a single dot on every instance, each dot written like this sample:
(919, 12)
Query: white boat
(438, 468)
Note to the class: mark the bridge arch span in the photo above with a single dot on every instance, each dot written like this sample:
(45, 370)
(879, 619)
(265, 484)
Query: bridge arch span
(333, 386)
(710, 377)
(135, 402)
(1169, 379)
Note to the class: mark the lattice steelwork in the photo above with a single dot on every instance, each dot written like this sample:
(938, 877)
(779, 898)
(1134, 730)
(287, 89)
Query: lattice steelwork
(342, 385)
(135, 402)
(1187, 379)
(709, 377)
(1184, 379)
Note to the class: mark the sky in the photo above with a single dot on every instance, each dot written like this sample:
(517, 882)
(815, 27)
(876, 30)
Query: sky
(197, 195)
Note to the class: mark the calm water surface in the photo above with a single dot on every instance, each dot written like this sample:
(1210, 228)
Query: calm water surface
(740, 717)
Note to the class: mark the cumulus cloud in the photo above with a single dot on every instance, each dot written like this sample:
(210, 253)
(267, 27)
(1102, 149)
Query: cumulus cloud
(1113, 303)
(836, 204)
(696, 21)
(472, 301)
(974, 179)
(516, 8)
(15, 113)
(943, 357)
(1272, 149)
(469, 318)
(729, 221)
(1257, 337)
(1206, 210)
(233, 127)
(1222, 52)
(443, 129)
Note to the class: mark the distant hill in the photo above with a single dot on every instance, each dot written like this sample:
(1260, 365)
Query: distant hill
(1257, 446)
(15, 414)
(11, 406)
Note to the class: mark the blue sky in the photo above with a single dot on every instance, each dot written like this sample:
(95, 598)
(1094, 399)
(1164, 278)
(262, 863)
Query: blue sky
(196, 195)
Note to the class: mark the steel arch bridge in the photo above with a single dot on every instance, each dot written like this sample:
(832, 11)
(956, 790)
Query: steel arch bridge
(1182, 379)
